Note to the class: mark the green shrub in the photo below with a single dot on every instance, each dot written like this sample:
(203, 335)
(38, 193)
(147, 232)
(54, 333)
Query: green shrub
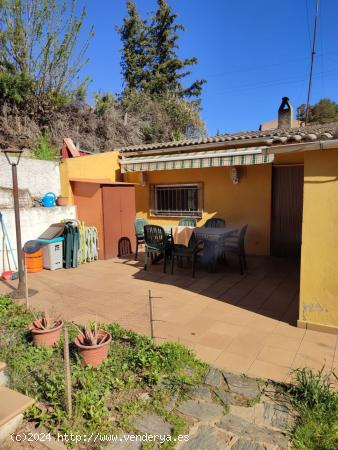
(103, 102)
(43, 148)
(15, 88)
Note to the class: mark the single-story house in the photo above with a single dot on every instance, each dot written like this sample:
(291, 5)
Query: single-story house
(282, 182)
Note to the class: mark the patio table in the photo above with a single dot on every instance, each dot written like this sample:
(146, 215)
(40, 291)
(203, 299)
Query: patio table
(214, 241)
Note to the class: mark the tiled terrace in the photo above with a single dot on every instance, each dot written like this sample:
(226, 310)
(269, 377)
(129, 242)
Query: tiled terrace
(238, 323)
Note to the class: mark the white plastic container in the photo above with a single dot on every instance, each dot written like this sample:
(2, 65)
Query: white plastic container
(53, 254)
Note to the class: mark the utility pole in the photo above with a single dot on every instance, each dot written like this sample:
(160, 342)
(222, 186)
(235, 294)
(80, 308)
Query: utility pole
(312, 63)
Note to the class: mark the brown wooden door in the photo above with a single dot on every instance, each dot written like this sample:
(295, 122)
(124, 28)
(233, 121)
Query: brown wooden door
(118, 217)
(287, 210)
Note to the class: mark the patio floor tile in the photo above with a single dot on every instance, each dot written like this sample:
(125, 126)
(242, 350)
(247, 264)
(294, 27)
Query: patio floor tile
(278, 356)
(234, 362)
(226, 329)
(263, 369)
(323, 338)
(283, 342)
(214, 340)
(207, 354)
(238, 323)
(312, 362)
(245, 347)
(316, 348)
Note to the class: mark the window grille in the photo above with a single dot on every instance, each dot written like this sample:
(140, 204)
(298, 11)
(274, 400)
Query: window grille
(176, 200)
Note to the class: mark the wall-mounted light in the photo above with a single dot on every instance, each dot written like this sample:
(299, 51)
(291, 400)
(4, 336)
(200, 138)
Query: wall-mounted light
(143, 179)
(235, 175)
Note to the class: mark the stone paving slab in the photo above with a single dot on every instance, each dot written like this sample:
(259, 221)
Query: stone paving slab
(206, 438)
(214, 377)
(244, 444)
(124, 445)
(201, 410)
(241, 385)
(152, 423)
(201, 392)
(251, 432)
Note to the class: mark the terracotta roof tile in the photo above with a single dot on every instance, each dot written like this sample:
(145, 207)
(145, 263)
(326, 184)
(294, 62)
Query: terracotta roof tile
(275, 136)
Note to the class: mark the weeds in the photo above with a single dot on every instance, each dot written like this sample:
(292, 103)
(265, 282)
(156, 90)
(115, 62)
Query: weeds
(316, 402)
(104, 399)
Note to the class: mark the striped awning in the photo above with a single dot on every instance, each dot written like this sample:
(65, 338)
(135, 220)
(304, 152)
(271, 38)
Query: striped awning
(197, 160)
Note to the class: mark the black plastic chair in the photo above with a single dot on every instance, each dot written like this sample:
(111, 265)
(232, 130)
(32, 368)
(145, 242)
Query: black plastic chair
(139, 233)
(124, 247)
(190, 253)
(215, 222)
(156, 245)
(235, 244)
(188, 222)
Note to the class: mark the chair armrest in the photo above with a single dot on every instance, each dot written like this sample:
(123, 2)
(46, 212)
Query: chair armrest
(159, 248)
(199, 245)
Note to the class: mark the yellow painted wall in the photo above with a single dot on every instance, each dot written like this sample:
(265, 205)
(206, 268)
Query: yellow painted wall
(100, 166)
(247, 202)
(319, 265)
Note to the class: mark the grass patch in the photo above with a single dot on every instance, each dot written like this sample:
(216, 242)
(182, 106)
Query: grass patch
(316, 402)
(104, 399)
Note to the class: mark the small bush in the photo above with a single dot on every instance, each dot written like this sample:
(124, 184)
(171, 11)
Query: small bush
(103, 102)
(43, 148)
(15, 88)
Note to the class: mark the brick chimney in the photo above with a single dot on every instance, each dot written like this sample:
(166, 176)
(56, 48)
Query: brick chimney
(285, 114)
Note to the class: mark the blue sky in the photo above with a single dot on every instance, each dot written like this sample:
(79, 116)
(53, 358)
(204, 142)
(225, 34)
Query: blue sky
(252, 53)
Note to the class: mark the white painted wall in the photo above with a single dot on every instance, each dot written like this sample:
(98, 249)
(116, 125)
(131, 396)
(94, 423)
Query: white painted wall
(34, 221)
(39, 177)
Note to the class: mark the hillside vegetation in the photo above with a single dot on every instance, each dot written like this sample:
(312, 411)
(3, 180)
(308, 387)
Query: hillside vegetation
(42, 95)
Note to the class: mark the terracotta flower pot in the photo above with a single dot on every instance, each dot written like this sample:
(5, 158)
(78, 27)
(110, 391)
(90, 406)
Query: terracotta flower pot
(62, 201)
(45, 338)
(93, 355)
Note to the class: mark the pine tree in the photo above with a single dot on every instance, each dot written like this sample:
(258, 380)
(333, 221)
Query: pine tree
(325, 111)
(167, 70)
(134, 38)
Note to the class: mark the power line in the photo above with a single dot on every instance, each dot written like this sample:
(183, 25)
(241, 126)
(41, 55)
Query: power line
(312, 63)
(258, 67)
(277, 82)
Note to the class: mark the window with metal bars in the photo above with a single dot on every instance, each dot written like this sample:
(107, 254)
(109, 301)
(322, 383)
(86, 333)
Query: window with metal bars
(176, 200)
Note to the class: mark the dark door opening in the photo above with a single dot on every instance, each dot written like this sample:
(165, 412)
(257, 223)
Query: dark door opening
(287, 210)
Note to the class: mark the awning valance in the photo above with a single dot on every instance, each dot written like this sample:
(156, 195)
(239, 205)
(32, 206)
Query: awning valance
(197, 160)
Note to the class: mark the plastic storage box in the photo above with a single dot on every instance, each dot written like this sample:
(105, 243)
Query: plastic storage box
(52, 253)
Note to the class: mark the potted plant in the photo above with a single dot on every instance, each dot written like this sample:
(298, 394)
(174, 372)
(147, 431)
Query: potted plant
(93, 345)
(46, 330)
(62, 200)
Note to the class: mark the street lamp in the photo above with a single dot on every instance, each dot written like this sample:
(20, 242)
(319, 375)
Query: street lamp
(13, 157)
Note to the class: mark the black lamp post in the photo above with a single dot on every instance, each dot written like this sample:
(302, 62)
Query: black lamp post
(13, 158)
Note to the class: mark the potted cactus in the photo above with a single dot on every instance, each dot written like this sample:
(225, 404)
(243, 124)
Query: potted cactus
(46, 330)
(93, 345)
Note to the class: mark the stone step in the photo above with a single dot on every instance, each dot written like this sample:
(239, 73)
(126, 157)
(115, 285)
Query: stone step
(12, 406)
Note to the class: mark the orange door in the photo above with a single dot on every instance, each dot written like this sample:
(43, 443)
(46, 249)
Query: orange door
(118, 216)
